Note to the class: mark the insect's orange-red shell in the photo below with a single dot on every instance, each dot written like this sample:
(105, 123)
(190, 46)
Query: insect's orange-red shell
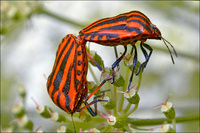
(121, 29)
(66, 84)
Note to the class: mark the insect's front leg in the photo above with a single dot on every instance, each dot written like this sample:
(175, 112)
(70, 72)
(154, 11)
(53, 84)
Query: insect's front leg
(147, 56)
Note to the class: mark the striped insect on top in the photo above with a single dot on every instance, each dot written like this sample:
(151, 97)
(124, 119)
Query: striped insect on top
(66, 84)
(122, 29)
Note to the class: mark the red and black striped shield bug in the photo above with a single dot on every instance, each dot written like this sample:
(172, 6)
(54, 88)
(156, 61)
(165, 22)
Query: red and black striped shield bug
(124, 29)
(67, 84)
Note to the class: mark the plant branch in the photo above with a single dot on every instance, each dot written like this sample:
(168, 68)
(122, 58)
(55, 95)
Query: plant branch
(159, 121)
(41, 10)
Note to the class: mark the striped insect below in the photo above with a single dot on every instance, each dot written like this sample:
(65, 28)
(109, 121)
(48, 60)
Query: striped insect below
(67, 84)
(124, 29)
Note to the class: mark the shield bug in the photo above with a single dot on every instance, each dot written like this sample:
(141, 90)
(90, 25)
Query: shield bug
(67, 84)
(124, 29)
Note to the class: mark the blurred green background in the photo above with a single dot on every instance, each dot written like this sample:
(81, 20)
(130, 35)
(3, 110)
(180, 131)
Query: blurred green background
(31, 32)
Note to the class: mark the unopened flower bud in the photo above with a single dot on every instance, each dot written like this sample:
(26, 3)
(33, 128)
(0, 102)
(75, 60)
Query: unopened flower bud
(167, 129)
(21, 90)
(25, 123)
(58, 117)
(63, 129)
(132, 96)
(119, 123)
(168, 110)
(18, 110)
(110, 119)
(44, 111)
(110, 104)
(119, 80)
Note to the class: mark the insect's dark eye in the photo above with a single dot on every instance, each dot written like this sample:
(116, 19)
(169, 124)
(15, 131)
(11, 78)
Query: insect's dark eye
(155, 29)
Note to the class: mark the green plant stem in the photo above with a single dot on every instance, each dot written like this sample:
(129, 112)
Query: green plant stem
(121, 102)
(127, 108)
(93, 75)
(139, 80)
(115, 99)
(41, 10)
(180, 54)
(159, 121)
(135, 107)
(107, 128)
(174, 123)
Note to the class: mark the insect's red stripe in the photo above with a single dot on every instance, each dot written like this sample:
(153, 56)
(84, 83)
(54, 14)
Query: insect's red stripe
(62, 47)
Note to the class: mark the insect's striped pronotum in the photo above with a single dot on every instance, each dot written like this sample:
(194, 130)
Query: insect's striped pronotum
(67, 84)
(124, 29)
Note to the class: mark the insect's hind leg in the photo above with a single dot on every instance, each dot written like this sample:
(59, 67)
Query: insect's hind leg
(147, 57)
(94, 113)
(134, 64)
(116, 63)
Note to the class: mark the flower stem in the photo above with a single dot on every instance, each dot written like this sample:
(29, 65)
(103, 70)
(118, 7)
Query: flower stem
(136, 106)
(174, 123)
(41, 10)
(93, 75)
(159, 121)
(115, 99)
(127, 108)
(121, 102)
(139, 80)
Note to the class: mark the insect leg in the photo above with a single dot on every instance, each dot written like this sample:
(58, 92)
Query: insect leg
(93, 61)
(134, 64)
(103, 82)
(93, 113)
(116, 63)
(147, 57)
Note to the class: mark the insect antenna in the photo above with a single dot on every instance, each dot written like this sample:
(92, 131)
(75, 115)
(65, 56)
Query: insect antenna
(164, 40)
(73, 123)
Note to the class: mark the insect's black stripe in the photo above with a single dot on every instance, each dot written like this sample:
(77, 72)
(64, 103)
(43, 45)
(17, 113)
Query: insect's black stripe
(67, 102)
(101, 34)
(138, 16)
(100, 37)
(128, 29)
(56, 63)
(142, 15)
(92, 37)
(59, 75)
(74, 65)
(56, 83)
(132, 29)
(141, 23)
(116, 27)
(66, 87)
(121, 18)
(57, 100)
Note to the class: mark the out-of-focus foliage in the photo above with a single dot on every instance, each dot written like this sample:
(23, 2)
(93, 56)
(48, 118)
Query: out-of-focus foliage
(15, 14)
